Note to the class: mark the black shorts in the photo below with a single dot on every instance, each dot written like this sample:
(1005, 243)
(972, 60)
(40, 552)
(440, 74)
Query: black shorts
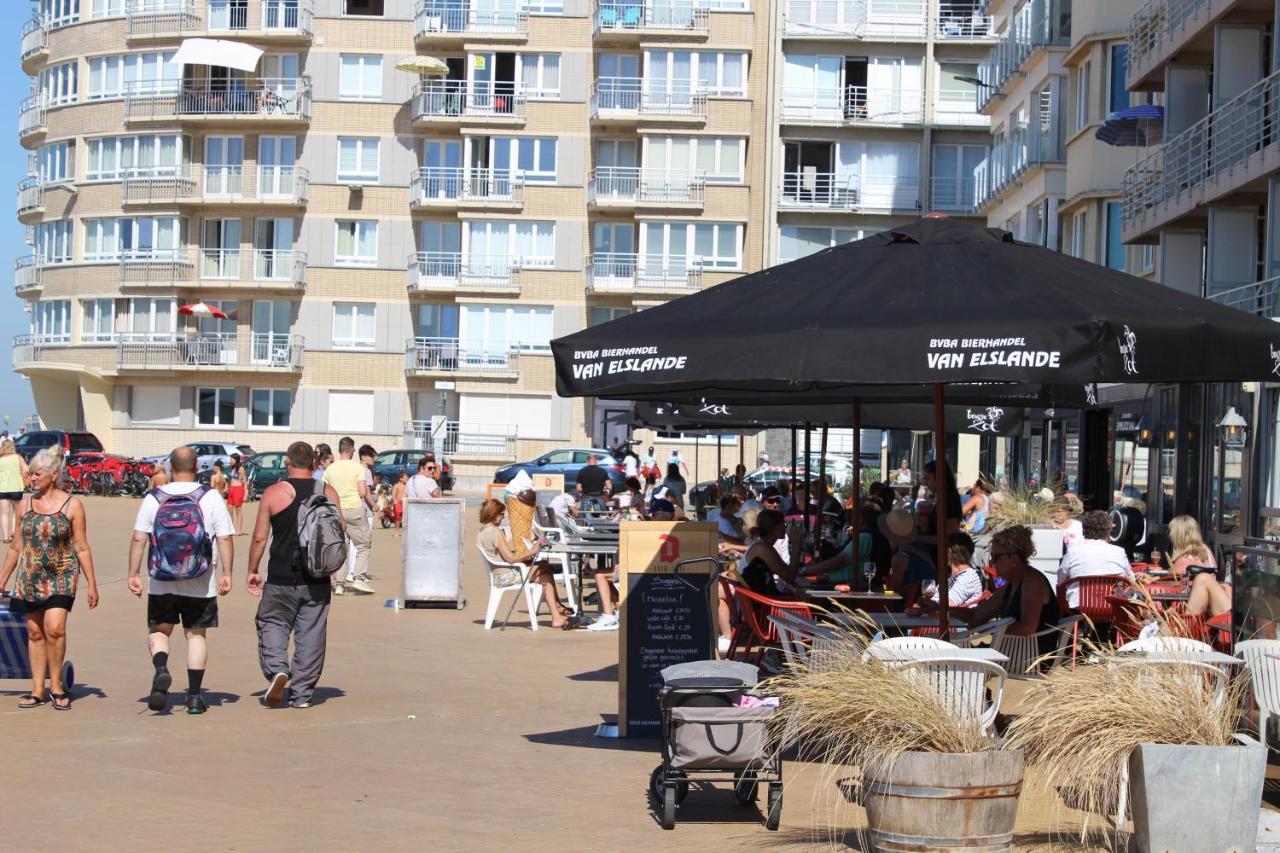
(170, 609)
(11, 496)
(64, 602)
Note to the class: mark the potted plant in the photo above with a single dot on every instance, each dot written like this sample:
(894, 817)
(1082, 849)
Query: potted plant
(1040, 508)
(1157, 740)
(925, 778)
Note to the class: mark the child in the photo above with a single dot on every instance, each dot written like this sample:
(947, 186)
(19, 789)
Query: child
(397, 498)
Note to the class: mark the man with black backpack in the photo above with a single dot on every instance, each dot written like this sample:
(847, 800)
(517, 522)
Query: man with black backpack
(301, 518)
(178, 523)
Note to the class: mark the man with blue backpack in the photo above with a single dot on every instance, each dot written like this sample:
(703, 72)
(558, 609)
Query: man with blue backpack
(177, 526)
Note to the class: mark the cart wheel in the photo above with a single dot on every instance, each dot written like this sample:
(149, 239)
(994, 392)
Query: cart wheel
(669, 806)
(68, 675)
(774, 817)
(746, 788)
(656, 782)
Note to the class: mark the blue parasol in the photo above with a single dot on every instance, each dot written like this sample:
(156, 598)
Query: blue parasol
(1130, 127)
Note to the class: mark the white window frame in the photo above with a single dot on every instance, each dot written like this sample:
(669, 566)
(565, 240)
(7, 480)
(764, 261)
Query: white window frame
(513, 252)
(60, 13)
(714, 262)
(91, 315)
(56, 163)
(60, 84)
(1082, 96)
(352, 311)
(132, 224)
(151, 331)
(115, 74)
(357, 227)
(1147, 258)
(697, 59)
(219, 394)
(271, 394)
(133, 145)
(1079, 230)
(51, 321)
(538, 89)
(54, 242)
(107, 9)
(538, 143)
(835, 237)
(362, 145)
(363, 62)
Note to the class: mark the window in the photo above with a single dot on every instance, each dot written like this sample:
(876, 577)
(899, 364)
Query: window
(59, 13)
(99, 321)
(535, 158)
(543, 7)
(1115, 247)
(351, 411)
(596, 316)
(494, 242)
(711, 245)
(143, 237)
(723, 74)
(59, 84)
(53, 242)
(112, 158)
(370, 8)
(1082, 96)
(678, 72)
(358, 159)
(506, 327)
(51, 321)
(1147, 263)
(717, 159)
(799, 242)
(119, 75)
(215, 407)
(56, 163)
(361, 78)
(954, 95)
(540, 75)
(357, 242)
(152, 318)
(155, 405)
(269, 407)
(1119, 95)
(437, 321)
(1079, 227)
(353, 325)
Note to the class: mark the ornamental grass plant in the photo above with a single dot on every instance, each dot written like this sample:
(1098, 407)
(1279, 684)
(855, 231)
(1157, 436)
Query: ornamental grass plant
(1025, 504)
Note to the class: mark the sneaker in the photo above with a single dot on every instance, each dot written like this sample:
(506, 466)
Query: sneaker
(195, 705)
(362, 586)
(301, 705)
(608, 622)
(276, 691)
(722, 644)
(365, 576)
(159, 698)
(338, 590)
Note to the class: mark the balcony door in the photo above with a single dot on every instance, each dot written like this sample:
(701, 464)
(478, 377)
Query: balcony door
(220, 249)
(271, 322)
(668, 79)
(807, 172)
(280, 75)
(273, 249)
(488, 246)
(811, 86)
(276, 158)
(668, 166)
(492, 78)
(954, 170)
(217, 343)
(224, 166)
(225, 15)
(152, 319)
(442, 159)
(894, 87)
(440, 245)
(613, 247)
(666, 250)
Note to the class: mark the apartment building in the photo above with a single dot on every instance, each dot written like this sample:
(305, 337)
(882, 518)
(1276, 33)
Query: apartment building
(392, 252)
(875, 117)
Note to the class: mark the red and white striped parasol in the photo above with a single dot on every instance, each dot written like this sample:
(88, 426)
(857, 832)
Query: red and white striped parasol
(202, 310)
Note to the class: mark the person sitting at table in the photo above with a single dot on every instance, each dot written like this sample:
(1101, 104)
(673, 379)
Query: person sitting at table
(911, 564)
(1189, 554)
(565, 505)
(1026, 595)
(498, 550)
(1066, 518)
(967, 583)
(1092, 555)
(839, 568)
(663, 508)
(902, 476)
(761, 566)
(631, 504)
(727, 524)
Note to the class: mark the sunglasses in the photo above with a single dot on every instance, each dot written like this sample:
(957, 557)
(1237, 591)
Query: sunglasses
(772, 500)
(431, 467)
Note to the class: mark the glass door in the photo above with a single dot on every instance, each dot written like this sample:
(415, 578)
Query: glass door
(276, 157)
(224, 166)
(440, 247)
(273, 249)
(442, 159)
(480, 78)
(220, 249)
(271, 320)
(280, 77)
(228, 14)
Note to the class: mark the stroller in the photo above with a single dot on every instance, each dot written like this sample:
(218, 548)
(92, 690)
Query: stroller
(14, 662)
(703, 732)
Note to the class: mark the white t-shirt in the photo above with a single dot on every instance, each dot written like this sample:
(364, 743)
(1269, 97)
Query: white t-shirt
(217, 522)
(1091, 557)
(421, 486)
(630, 468)
(562, 504)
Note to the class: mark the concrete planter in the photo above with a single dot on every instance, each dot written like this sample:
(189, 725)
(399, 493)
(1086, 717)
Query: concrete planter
(1048, 542)
(1186, 799)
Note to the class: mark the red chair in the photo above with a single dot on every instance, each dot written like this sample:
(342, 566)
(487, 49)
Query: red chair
(1093, 604)
(759, 631)
(1220, 626)
(1127, 617)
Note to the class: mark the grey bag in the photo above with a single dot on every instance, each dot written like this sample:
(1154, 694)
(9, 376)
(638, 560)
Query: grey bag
(322, 548)
(719, 738)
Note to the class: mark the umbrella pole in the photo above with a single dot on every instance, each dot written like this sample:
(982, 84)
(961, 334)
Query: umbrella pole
(857, 491)
(940, 509)
(696, 478)
(808, 479)
(793, 467)
(719, 463)
(822, 491)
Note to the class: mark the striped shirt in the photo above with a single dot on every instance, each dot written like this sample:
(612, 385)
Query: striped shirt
(963, 588)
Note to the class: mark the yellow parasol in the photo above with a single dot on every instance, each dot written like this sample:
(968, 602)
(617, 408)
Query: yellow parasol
(427, 66)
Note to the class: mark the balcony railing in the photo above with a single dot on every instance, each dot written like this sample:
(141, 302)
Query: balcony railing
(241, 350)
(157, 268)
(436, 184)
(26, 275)
(283, 98)
(619, 272)
(954, 194)
(813, 190)
(889, 20)
(1012, 157)
(963, 22)
(31, 116)
(285, 267)
(453, 272)
(449, 99)
(482, 441)
(1039, 23)
(1155, 26)
(629, 185)
(26, 350)
(436, 18)
(852, 105)
(35, 38)
(1258, 298)
(682, 16)
(215, 184)
(260, 17)
(30, 196)
(613, 97)
(1219, 146)
(454, 355)
(958, 109)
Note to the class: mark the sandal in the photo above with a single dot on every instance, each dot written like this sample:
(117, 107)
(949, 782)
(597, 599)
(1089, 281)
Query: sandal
(31, 701)
(61, 701)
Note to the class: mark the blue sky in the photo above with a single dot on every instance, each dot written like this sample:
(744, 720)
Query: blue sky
(15, 390)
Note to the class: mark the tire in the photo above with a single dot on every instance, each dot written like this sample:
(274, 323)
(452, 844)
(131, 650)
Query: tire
(669, 807)
(774, 816)
(746, 788)
(68, 676)
(656, 783)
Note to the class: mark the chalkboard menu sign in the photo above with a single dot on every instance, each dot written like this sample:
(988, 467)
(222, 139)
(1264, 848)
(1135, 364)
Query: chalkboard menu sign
(665, 617)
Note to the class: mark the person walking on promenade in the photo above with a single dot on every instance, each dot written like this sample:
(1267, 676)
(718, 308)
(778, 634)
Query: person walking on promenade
(218, 480)
(179, 522)
(324, 456)
(13, 474)
(293, 604)
(237, 487)
(347, 477)
(49, 552)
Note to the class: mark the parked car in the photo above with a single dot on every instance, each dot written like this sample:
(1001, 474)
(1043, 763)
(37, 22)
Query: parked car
(208, 452)
(30, 443)
(265, 469)
(391, 463)
(568, 461)
(708, 495)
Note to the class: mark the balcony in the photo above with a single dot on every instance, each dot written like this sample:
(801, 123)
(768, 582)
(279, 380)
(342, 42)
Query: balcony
(954, 195)
(889, 20)
(29, 350)
(1233, 146)
(618, 20)
(284, 101)
(1258, 298)
(617, 272)
(628, 187)
(810, 189)
(495, 442)
(438, 22)
(264, 269)
(259, 19)
(458, 100)
(449, 187)
(958, 109)
(193, 184)
(33, 44)
(963, 22)
(1164, 29)
(853, 105)
(429, 356)
(453, 272)
(1038, 24)
(632, 99)
(157, 268)
(31, 119)
(26, 275)
(230, 351)
(1014, 156)
(30, 198)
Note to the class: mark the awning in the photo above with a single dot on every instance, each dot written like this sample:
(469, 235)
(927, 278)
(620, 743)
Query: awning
(220, 52)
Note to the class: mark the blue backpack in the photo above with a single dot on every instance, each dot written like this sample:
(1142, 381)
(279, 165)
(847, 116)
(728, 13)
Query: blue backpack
(180, 547)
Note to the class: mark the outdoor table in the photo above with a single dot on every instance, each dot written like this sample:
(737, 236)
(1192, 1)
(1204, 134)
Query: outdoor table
(882, 653)
(571, 549)
(1184, 655)
(900, 621)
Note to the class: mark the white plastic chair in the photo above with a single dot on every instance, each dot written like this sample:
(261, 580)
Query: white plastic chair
(962, 686)
(497, 592)
(1023, 652)
(802, 639)
(1260, 659)
(886, 648)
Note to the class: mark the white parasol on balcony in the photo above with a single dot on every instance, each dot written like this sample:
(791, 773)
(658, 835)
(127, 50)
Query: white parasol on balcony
(427, 66)
(203, 310)
(219, 52)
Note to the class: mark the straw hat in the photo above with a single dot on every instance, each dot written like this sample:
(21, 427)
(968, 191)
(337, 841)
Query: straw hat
(897, 525)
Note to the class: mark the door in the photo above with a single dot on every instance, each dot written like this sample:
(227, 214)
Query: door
(276, 158)
(613, 246)
(220, 249)
(442, 159)
(228, 14)
(217, 341)
(480, 77)
(280, 76)
(811, 87)
(954, 183)
(273, 249)
(669, 80)
(616, 168)
(224, 166)
(668, 163)
(271, 319)
(855, 94)
(618, 81)
(440, 251)
(666, 250)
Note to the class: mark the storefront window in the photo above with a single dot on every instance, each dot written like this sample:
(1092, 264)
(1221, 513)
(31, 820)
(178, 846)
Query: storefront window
(1130, 467)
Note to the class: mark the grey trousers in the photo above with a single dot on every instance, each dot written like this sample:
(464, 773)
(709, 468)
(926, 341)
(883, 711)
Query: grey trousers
(302, 611)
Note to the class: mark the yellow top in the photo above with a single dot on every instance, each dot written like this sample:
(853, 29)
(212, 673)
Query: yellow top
(345, 476)
(10, 473)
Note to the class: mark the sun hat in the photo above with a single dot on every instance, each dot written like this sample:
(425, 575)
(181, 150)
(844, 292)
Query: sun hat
(897, 525)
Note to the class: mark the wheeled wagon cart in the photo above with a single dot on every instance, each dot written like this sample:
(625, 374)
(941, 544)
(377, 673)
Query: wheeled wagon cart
(14, 662)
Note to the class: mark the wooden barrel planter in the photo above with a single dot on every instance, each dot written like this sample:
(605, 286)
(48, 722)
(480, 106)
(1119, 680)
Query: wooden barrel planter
(944, 802)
